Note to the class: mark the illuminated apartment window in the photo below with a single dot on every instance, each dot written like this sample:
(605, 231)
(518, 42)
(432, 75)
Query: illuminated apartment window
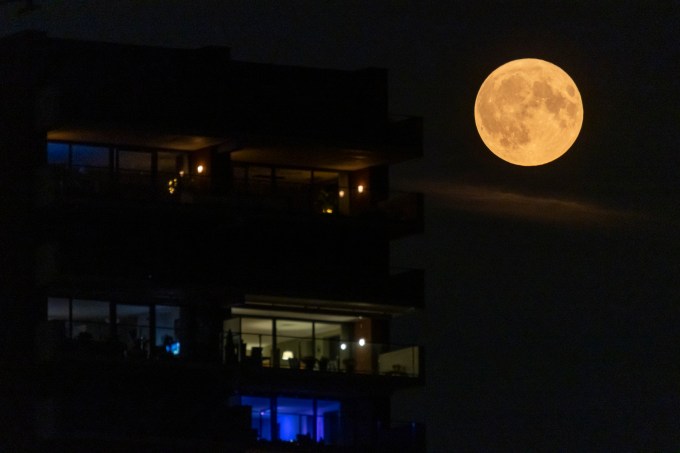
(133, 328)
(133, 170)
(86, 156)
(327, 343)
(168, 331)
(90, 319)
(171, 163)
(318, 419)
(325, 192)
(260, 180)
(85, 319)
(257, 337)
(300, 344)
(327, 421)
(293, 185)
(293, 179)
(296, 336)
(239, 175)
(133, 161)
(57, 153)
(261, 415)
(59, 310)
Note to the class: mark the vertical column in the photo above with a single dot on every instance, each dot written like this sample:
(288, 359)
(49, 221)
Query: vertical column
(187, 330)
(70, 317)
(113, 322)
(276, 353)
(314, 341)
(315, 419)
(343, 193)
(274, 419)
(208, 329)
(363, 345)
(152, 330)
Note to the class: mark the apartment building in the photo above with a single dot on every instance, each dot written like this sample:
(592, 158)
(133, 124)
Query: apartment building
(196, 251)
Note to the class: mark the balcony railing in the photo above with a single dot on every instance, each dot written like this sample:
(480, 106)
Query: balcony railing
(87, 339)
(336, 356)
(403, 210)
(83, 340)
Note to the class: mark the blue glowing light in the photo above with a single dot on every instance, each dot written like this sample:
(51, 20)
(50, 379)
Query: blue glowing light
(173, 348)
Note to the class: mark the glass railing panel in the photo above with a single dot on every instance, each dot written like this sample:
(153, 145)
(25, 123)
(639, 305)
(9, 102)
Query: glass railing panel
(293, 352)
(399, 362)
(93, 340)
(340, 356)
(305, 354)
(398, 208)
(135, 338)
(168, 343)
(90, 331)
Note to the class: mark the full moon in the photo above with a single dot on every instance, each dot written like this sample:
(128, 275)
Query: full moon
(528, 112)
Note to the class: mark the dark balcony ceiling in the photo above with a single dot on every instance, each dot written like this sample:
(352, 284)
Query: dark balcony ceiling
(318, 156)
(139, 139)
(286, 153)
(316, 308)
(400, 143)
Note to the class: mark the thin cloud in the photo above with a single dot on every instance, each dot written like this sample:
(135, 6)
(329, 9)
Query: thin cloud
(493, 201)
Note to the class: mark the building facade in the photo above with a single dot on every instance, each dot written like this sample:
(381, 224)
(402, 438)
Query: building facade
(195, 251)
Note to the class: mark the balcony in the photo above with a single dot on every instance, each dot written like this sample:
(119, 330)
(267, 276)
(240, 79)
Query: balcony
(293, 355)
(400, 212)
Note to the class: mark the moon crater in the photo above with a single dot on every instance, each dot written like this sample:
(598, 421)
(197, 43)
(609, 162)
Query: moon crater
(528, 112)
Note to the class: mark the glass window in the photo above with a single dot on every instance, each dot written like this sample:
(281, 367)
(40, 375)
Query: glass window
(327, 421)
(300, 344)
(170, 162)
(239, 174)
(260, 415)
(294, 340)
(295, 184)
(293, 178)
(91, 320)
(134, 161)
(257, 336)
(327, 342)
(325, 177)
(295, 416)
(90, 156)
(168, 329)
(259, 179)
(57, 153)
(133, 327)
(325, 192)
(58, 311)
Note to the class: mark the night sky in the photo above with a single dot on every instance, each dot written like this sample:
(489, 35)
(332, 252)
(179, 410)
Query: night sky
(552, 318)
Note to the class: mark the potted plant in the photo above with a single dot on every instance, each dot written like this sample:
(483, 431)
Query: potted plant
(323, 363)
(350, 364)
(309, 362)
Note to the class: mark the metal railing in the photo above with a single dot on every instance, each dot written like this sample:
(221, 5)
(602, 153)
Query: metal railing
(87, 339)
(82, 339)
(94, 182)
(320, 354)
